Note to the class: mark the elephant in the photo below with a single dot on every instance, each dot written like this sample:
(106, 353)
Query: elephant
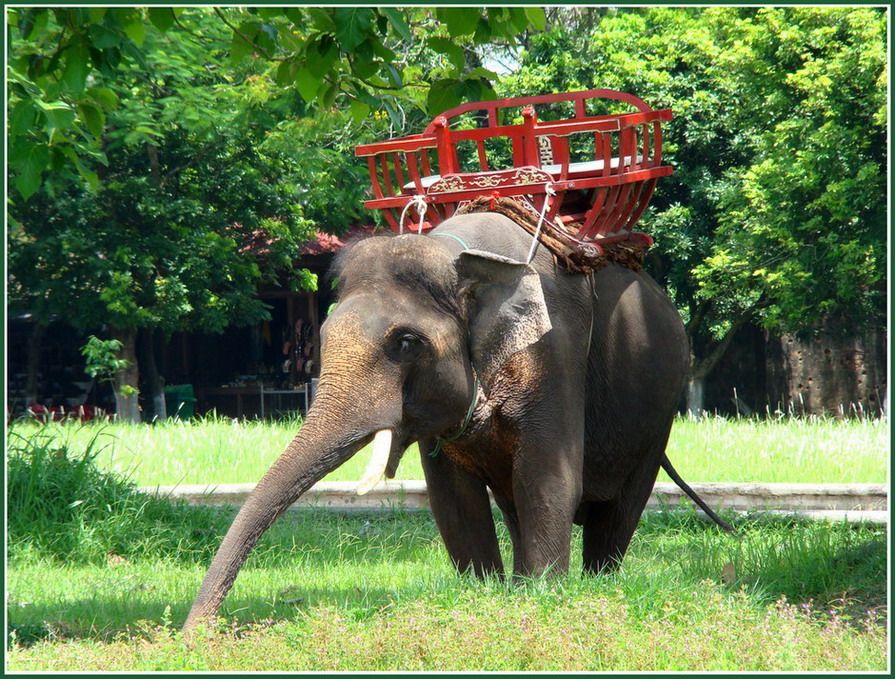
(556, 391)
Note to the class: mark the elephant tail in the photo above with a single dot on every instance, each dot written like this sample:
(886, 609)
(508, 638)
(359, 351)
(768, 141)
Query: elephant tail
(672, 472)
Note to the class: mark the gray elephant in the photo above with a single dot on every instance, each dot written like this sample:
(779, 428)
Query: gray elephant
(554, 390)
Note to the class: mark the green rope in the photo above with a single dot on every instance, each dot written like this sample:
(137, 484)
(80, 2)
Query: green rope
(475, 399)
(455, 237)
(475, 386)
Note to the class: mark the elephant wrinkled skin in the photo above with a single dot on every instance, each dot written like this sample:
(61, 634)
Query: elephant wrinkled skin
(572, 382)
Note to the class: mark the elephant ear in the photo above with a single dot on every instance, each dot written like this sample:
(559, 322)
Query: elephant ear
(506, 309)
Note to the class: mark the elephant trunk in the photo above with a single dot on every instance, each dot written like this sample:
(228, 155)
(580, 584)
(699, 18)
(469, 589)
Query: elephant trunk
(314, 452)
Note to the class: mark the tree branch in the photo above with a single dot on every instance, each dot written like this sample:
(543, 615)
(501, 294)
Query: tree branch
(200, 38)
(703, 367)
(258, 48)
(696, 316)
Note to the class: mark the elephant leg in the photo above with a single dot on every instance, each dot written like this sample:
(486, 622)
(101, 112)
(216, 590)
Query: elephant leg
(609, 526)
(511, 520)
(462, 511)
(547, 491)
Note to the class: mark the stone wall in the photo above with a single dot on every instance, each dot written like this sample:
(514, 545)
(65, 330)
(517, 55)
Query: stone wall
(831, 374)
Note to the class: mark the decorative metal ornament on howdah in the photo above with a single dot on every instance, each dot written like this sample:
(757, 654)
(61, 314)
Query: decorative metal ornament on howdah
(590, 176)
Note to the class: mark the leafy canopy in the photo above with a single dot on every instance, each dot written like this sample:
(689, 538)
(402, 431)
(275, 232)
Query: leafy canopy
(776, 210)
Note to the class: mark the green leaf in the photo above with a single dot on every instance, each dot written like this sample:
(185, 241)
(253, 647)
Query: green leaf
(442, 96)
(37, 23)
(29, 163)
(23, 118)
(321, 18)
(518, 18)
(103, 37)
(536, 17)
(359, 110)
(320, 55)
(396, 19)
(394, 75)
(104, 97)
(147, 131)
(327, 96)
(268, 13)
(450, 49)
(239, 48)
(93, 117)
(161, 17)
(136, 31)
(285, 73)
(58, 117)
(307, 84)
(353, 25)
(77, 68)
(483, 73)
(459, 20)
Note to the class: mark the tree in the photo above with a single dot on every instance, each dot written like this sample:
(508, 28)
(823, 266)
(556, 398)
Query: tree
(775, 213)
(168, 160)
(359, 58)
(190, 213)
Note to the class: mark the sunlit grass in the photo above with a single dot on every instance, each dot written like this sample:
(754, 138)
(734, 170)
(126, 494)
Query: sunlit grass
(100, 578)
(221, 450)
(377, 592)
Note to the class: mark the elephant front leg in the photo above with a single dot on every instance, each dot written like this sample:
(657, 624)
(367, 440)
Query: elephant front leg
(462, 511)
(547, 491)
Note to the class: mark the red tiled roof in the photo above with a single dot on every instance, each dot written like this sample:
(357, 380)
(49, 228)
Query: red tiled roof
(327, 244)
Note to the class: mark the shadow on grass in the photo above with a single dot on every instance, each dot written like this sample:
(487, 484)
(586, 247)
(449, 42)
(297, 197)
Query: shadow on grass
(828, 565)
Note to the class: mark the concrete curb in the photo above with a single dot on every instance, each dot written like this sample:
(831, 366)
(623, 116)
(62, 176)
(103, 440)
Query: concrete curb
(836, 501)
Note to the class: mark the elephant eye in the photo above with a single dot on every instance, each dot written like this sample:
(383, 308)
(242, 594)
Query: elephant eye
(405, 345)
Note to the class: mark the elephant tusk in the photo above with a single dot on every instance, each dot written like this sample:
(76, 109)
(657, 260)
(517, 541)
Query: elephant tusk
(382, 447)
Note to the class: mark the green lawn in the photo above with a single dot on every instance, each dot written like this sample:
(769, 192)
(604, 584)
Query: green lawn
(330, 591)
(713, 449)
(100, 578)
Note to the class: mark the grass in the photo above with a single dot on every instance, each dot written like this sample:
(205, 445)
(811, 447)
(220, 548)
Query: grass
(220, 450)
(331, 591)
(376, 592)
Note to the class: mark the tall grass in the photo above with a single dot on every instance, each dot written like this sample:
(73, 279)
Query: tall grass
(61, 505)
(221, 450)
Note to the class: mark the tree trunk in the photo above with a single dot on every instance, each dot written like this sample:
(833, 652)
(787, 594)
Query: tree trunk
(32, 381)
(127, 380)
(155, 385)
(695, 395)
(701, 368)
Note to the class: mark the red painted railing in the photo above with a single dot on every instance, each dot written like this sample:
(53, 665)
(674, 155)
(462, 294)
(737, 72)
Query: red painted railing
(596, 173)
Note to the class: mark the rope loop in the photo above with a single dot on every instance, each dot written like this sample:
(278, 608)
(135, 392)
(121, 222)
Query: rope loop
(419, 202)
(472, 404)
(535, 242)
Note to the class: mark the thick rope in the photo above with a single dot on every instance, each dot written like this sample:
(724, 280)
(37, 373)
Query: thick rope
(569, 254)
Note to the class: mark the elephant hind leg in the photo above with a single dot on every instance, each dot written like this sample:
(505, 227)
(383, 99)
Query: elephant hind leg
(608, 527)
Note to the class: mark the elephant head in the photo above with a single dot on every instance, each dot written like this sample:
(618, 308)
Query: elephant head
(417, 325)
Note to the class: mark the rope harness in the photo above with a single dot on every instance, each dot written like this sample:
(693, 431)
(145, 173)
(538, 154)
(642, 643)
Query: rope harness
(567, 253)
(421, 206)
